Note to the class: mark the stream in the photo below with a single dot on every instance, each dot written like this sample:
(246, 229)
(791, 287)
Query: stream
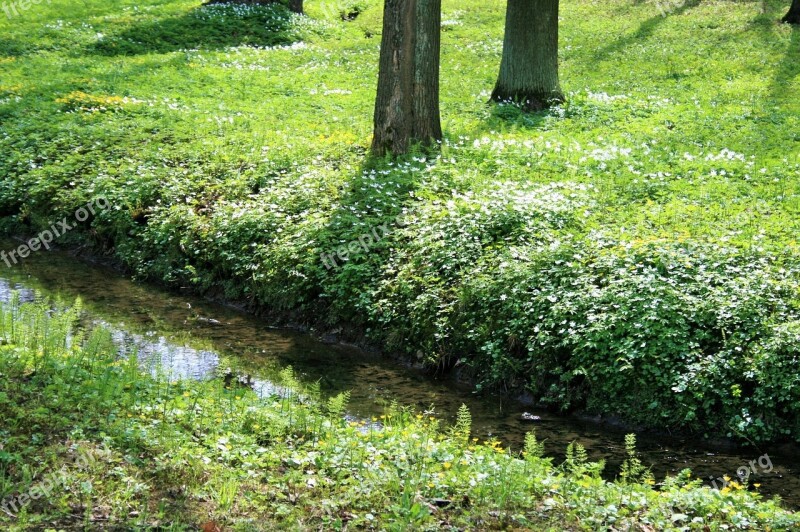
(194, 338)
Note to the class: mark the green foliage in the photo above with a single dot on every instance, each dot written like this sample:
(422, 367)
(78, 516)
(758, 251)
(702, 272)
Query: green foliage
(337, 404)
(533, 448)
(633, 246)
(632, 470)
(462, 430)
(343, 10)
(180, 454)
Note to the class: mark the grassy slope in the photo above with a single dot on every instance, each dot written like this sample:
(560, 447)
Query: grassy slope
(132, 451)
(637, 242)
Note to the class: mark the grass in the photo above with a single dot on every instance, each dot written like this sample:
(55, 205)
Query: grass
(636, 245)
(91, 441)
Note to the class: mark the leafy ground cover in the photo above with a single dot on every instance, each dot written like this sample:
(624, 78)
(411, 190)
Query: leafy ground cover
(634, 246)
(94, 441)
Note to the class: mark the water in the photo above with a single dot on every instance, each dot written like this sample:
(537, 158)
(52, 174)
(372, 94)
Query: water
(194, 338)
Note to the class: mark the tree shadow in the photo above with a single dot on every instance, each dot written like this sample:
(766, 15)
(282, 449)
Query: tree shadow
(789, 69)
(645, 31)
(208, 27)
(356, 242)
(12, 47)
(780, 95)
(770, 121)
(510, 114)
(507, 116)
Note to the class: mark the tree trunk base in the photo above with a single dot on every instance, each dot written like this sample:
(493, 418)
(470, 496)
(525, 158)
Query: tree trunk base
(792, 17)
(530, 102)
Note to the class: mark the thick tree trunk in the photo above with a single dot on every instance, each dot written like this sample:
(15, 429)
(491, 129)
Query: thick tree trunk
(427, 125)
(529, 68)
(793, 16)
(407, 103)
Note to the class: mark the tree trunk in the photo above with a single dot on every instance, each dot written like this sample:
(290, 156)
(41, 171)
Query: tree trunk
(529, 68)
(407, 103)
(793, 16)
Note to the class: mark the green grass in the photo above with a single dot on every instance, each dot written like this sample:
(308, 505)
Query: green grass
(132, 450)
(635, 246)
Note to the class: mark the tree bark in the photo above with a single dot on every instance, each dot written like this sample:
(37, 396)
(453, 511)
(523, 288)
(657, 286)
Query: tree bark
(427, 125)
(407, 103)
(793, 16)
(529, 68)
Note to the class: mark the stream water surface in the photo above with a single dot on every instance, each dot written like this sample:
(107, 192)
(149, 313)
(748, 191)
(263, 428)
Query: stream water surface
(195, 338)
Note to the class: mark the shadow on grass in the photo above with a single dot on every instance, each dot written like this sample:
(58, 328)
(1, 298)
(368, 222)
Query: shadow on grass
(503, 117)
(774, 107)
(209, 27)
(11, 47)
(367, 219)
(789, 68)
(645, 31)
(514, 115)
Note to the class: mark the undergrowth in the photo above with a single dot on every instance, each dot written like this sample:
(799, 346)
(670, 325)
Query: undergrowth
(92, 440)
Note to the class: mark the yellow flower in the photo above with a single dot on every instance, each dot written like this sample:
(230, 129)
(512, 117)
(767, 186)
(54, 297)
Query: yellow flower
(447, 465)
